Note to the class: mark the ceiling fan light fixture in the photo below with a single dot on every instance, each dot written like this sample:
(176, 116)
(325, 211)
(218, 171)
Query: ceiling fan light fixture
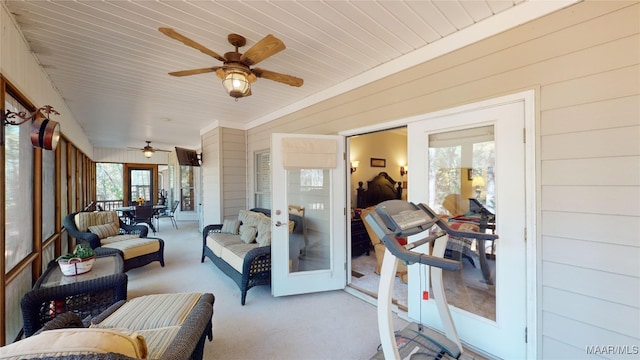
(236, 84)
(148, 153)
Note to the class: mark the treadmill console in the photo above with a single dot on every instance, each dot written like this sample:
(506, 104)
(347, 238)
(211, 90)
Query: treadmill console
(404, 218)
(397, 218)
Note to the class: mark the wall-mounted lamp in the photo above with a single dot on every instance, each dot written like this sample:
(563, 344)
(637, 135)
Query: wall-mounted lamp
(404, 170)
(354, 166)
(45, 133)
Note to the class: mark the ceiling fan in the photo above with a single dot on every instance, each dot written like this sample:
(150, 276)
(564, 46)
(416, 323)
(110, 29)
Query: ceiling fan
(236, 72)
(148, 150)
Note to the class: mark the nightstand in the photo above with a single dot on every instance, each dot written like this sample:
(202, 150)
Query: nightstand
(360, 242)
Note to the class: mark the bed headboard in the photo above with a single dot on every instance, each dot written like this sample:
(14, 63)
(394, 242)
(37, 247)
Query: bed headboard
(381, 188)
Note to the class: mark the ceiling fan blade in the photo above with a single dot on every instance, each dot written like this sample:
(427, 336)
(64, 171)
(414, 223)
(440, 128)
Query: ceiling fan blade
(268, 46)
(194, 71)
(185, 40)
(282, 78)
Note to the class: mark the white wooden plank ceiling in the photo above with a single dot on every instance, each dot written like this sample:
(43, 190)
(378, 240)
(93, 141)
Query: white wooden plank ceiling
(110, 62)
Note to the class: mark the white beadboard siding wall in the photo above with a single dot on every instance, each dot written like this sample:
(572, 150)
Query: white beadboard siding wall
(224, 174)
(110, 155)
(211, 184)
(234, 171)
(584, 62)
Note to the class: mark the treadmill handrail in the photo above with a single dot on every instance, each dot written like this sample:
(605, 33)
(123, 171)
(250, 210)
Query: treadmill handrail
(445, 227)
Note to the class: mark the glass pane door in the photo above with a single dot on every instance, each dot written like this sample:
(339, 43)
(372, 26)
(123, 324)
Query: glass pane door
(462, 187)
(309, 192)
(313, 258)
(472, 164)
(186, 188)
(140, 185)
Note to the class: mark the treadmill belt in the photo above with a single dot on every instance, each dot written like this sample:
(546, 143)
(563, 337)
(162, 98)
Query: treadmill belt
(414, 344)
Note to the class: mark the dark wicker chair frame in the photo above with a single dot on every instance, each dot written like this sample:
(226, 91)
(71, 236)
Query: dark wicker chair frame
(94, 241)
(85, 298)
(190, 339)
(144, 215)
(256, 268)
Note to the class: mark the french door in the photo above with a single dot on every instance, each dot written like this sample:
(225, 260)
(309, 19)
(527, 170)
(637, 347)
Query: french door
(476, 153)
(308, 172)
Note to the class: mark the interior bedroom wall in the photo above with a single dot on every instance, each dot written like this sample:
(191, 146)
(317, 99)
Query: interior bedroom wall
(388, 145)
(584, 64)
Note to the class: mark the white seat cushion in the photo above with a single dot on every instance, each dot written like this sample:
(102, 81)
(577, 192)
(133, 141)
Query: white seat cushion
(234, 254)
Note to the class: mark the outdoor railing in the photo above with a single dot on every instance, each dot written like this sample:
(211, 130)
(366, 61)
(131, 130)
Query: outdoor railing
(108, 205)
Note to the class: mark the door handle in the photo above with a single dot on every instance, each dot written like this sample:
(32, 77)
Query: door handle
(279, 223)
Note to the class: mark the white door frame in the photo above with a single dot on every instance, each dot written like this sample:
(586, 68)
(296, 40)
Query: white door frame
(531, 194)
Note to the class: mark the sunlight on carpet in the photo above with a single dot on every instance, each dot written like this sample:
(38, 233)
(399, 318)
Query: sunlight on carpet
(369, 281)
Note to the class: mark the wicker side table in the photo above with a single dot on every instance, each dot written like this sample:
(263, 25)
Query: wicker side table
(86, 295)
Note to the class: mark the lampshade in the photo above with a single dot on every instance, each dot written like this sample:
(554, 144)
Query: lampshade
(148, 153)
(236, 83)
(478, 181)
(354, 165)
(45, 133)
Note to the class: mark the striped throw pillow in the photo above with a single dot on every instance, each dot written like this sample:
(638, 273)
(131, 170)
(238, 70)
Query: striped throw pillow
(104, 231)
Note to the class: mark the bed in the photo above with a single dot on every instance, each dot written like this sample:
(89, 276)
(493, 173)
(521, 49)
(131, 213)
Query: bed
(381, 188)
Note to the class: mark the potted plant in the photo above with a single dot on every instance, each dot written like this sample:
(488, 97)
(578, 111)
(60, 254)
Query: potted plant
(78, 262)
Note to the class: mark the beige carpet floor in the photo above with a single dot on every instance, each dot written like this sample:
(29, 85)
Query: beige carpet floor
(365, 279)
(328, 325)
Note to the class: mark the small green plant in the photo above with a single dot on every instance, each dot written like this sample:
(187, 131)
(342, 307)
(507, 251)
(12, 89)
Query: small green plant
(82, 251)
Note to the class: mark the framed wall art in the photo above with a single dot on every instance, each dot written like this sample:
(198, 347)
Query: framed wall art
(378, 162)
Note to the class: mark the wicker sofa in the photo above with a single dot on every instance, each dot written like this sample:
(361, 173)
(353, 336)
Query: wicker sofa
(158, 326)
(248, 263)
(104, 231)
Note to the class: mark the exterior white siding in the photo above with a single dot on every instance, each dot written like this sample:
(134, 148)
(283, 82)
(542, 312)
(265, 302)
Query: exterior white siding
(234, 171)
(211, 178)
(224, 174)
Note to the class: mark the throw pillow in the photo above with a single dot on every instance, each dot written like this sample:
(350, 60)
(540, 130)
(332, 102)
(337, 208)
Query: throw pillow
(250, 218)
(248, 233)
(264, 231)
(230, 227)
(105, 231)
(77, 341)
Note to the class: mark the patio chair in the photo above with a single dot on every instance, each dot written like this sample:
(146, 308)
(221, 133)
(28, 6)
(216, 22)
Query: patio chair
(144, 215)
(169, 213)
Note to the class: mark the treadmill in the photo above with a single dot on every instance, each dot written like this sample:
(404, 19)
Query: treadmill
(394, 219)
